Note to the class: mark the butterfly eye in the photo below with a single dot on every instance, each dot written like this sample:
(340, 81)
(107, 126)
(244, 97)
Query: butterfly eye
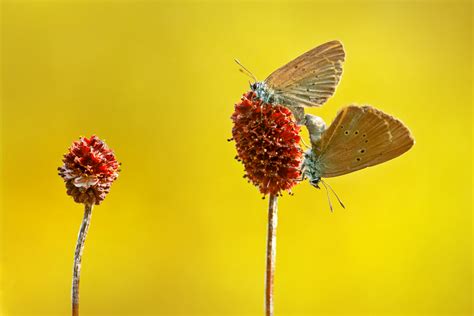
(315, 183)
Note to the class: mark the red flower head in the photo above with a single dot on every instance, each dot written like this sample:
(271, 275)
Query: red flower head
(89, 169)
(267, 140)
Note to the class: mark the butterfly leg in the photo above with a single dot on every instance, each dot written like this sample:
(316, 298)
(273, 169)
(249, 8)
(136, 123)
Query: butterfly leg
(302, 172)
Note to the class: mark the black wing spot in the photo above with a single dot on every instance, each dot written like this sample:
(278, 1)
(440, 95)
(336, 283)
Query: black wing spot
(346, 132)
(356, 132)
(362, 151)
(342, 126)
(366, 141)
(363, 135)
(358, 159)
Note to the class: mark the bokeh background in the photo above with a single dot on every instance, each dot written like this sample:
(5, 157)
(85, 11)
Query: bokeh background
(181, 232)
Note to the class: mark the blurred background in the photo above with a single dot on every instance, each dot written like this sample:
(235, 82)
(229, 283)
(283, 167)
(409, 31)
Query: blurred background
(182, 233)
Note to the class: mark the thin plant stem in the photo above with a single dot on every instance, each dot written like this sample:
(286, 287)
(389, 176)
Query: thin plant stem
(81, 238)
(271, 253)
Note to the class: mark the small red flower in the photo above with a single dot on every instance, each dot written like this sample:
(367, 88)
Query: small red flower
(89, 169)
(267, 140)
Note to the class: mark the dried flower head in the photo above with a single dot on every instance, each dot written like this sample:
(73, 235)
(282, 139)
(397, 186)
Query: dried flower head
(267, 140)
(89, 169)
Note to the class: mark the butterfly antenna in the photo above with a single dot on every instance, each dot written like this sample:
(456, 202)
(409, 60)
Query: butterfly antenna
(327, 194)
(245, 70)
(334, 192)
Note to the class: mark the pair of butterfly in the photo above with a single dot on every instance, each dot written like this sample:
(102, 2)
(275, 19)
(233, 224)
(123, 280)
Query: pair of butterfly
(359, 137)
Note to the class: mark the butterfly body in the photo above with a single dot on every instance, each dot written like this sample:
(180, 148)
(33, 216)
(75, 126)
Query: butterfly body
(311, 168)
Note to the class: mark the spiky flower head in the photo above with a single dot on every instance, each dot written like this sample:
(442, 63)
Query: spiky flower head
(267, 141)
(89, 169)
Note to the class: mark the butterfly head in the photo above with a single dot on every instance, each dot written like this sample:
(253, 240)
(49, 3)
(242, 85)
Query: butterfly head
(263, 92)
(315, 182)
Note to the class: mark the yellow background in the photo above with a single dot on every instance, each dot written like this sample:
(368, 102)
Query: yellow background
(181, 232)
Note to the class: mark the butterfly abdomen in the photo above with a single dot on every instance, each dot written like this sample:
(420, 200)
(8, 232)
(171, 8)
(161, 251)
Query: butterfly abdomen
(316, 126)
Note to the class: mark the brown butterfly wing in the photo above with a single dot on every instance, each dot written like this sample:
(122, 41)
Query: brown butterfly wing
(310, 79)
(360, 137)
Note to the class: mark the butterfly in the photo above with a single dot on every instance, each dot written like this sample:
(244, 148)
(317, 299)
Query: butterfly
(359, 137)
(307, 81)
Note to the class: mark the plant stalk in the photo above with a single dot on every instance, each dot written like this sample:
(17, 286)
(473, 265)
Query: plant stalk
(76, 276)
(271, 253)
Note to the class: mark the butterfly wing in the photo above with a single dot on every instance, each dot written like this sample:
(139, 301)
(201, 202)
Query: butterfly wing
(310, 79)
(360, 137)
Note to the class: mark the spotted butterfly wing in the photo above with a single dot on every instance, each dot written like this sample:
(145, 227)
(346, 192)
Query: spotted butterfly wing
(310, 79)
(360, 137)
